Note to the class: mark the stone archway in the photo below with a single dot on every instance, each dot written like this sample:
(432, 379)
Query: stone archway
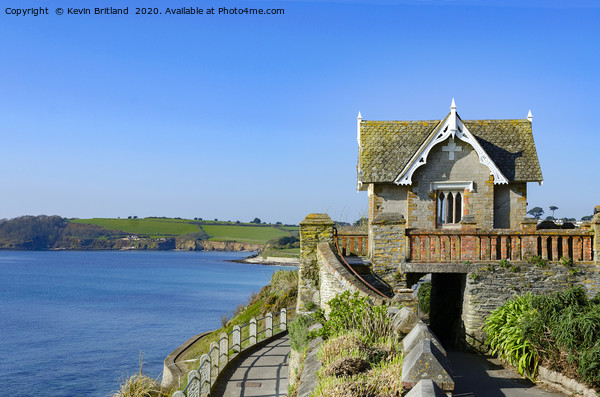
(446, 307)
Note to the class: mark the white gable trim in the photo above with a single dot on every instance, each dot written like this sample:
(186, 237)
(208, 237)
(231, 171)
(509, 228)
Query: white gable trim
(452, 126)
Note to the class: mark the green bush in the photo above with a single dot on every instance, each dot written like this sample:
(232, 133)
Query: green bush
(352, 312)
(298, 331)
(507, 338)
(561, 331)
(424, 296)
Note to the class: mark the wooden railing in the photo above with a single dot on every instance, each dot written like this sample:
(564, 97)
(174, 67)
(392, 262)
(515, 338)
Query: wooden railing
(352, 243)
(439, 245)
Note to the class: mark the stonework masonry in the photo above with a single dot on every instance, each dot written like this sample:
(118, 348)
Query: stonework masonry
(464, 167)
(314, 229)
(335, 279)
(490, 286)
(388, 245)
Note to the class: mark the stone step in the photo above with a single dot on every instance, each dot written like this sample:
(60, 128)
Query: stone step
(361, 265)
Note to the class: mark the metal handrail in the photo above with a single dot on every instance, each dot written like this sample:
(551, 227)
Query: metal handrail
(337, 246)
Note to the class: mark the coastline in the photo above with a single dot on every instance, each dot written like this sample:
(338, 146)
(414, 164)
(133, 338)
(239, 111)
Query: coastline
(256, 259)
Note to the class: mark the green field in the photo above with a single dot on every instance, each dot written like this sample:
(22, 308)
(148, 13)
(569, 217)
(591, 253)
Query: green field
(218, 231)
(151, 226)
(244, 234)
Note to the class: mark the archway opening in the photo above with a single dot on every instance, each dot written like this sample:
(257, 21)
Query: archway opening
(447, 291)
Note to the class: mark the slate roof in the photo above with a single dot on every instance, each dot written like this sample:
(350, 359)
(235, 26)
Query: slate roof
(388, 146)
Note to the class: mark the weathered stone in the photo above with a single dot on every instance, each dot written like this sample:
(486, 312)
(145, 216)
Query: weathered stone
(312, 365)
(426, 361)
(419, 333)
(404, 320)
(315, 228)
(336, 278)
(387, 245)
(426, 388)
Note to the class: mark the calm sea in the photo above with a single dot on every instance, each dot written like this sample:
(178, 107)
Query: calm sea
(73, 323)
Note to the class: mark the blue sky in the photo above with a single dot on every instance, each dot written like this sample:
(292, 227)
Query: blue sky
(239, 116)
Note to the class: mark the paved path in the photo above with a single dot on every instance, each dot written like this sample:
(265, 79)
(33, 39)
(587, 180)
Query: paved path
(263, 373)
(480, 376)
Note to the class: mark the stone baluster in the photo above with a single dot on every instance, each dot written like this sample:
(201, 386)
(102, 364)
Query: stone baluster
(235, 339)
(194, 384)
(494, 249)
(269, 325)
(515, 248)
(283, 319)
(544, 247)
(253, 331)
(565, 247)
(205, 369)
(554, 248)
(224, 349)
(214, 360)
(423, 250)
(503, 248)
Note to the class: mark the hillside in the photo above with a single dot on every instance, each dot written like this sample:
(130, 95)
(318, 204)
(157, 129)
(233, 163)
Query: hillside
(54, 232)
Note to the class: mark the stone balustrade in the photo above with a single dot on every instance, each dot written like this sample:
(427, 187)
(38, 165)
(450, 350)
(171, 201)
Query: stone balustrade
(352, 243)
(440, 245)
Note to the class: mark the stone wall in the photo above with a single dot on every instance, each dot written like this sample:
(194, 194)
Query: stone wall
(490, 286)
(464, 167)
(388, 245)
(335, 278)
(314, 229)
(510, 205)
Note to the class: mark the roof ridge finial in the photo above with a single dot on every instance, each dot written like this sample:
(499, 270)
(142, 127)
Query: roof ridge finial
(358, 120)
(529, 116)
(453, 124)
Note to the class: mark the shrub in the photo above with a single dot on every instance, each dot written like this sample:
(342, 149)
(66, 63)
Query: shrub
(504, 264)
(566, 261)
(506, 336)
(424, 297)
(561, 331)
(298, 331)
(351, 312)
(538, 261)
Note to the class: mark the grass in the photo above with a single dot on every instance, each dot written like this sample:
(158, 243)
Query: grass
(281, 292)
(140, 385)
(163, 227)
(245, 234)
(218, 231)
(282, 253)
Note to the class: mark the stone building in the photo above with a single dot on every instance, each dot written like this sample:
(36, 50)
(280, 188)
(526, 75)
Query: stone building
(439, 173)
(447, 198)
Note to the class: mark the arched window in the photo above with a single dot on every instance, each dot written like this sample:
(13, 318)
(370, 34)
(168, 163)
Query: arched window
(449, 202)
(449, 207)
